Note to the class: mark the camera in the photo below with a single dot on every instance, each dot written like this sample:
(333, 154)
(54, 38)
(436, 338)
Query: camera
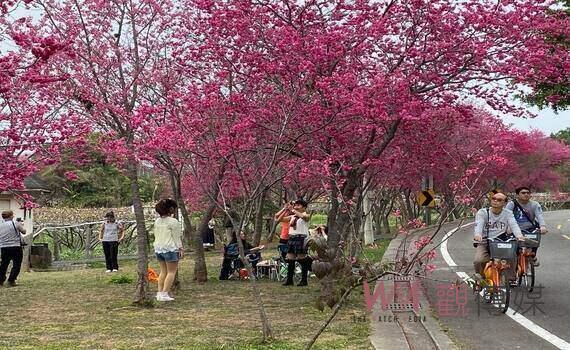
(19, 220)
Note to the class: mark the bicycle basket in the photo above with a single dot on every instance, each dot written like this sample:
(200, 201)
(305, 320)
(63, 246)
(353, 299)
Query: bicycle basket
(502, 250)
(534, 235)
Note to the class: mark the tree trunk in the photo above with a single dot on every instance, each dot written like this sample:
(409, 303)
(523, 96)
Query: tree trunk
(351, 185)
(355, 235)
(271, 234)
(258, 225)
(386, 224)
(334, 234)
(141, 296)
(25, 266)
(274, 224)
(194, 238)
(368, 218)
(266, 329)
(200, 272)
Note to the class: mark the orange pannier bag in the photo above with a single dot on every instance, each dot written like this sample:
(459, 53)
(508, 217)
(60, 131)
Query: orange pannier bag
(152, 275)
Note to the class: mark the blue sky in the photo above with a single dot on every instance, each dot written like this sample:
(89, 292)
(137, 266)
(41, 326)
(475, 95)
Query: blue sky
(546, 121)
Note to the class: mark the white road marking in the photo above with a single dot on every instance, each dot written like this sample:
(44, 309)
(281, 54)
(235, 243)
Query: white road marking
(443, 247)
(517, 317)
(566, 236)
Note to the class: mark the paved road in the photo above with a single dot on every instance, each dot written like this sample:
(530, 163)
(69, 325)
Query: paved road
(490, 330)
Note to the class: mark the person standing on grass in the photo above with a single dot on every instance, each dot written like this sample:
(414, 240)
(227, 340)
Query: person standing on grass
(10, 247)
(297, 249)
(208, 236)
(283, 216)
(167, 246)
(111, 234)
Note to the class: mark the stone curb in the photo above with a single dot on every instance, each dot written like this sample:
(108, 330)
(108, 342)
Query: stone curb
(388, 335)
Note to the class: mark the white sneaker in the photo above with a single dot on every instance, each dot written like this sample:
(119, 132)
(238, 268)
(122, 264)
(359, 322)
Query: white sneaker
(108, 271)
(115, 270)
(164, 297)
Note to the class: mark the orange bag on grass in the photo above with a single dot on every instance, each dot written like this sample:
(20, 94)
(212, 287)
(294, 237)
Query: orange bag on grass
(243, 274)
(152, 275)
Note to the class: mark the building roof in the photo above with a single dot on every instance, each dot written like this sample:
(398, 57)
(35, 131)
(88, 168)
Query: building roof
(36, 184)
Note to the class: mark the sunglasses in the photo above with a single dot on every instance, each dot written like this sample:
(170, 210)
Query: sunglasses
(524, 192)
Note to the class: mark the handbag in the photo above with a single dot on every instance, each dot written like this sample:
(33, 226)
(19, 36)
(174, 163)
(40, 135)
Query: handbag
(22, 242)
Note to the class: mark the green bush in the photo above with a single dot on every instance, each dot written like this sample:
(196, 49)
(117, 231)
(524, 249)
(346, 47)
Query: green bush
(318, 219)
(96, 265)
(68, 254)
(121, 279)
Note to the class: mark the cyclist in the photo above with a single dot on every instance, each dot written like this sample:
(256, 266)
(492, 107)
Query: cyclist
(528, 214)
(491, 223)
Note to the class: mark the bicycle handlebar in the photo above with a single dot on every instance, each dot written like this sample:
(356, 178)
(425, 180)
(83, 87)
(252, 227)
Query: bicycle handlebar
(509, 239)
(530, 243)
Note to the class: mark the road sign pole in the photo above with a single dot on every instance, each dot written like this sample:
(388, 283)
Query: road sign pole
(427, 184)
(427, 215)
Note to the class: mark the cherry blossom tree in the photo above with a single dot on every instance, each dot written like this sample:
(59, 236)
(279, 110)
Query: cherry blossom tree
(119, 46)
(361, 72)
(34, 124)
(533, 161)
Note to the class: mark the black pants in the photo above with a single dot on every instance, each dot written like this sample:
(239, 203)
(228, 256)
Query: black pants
(14, 254)
(231, 263)
(111, 250)
(227, 268)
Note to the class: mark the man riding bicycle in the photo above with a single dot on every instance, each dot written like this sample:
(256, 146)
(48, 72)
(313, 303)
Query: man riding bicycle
(528, 214)
(491, 223)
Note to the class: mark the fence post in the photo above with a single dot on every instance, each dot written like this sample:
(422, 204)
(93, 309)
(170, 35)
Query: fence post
(55, 246)
(88, 242)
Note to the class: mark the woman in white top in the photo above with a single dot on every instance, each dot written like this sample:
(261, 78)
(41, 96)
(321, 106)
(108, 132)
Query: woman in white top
(109, 237)
(167, 246)
(297, 249)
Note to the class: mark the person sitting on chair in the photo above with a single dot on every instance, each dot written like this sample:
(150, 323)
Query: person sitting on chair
(252, 253)
(231, 254)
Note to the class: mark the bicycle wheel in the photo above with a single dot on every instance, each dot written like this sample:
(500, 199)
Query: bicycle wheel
(526, 280)
(530, 275)
(502, 293)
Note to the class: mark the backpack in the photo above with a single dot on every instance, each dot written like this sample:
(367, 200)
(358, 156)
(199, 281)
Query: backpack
(519, 208)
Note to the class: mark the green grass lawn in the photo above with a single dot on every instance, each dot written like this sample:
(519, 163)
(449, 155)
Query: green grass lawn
(82, 309)
(375, 254)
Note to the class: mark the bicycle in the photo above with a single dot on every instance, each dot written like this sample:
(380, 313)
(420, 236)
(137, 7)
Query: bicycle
(495, 284)
(525, 268)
